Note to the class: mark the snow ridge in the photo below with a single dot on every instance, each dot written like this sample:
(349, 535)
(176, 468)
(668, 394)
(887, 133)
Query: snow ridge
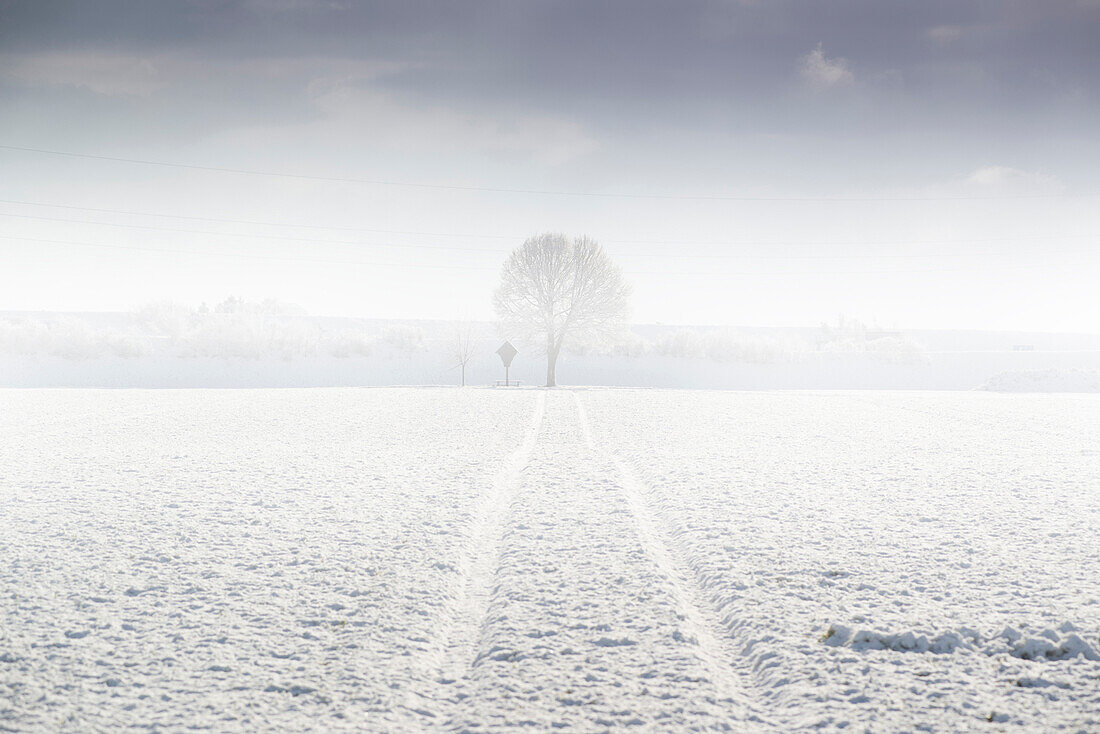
(715, 647)
(459, 638)
(1048, 645)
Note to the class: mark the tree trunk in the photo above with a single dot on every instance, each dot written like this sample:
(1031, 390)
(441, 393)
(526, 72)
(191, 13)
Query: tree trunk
(463, 374)
(551, 363)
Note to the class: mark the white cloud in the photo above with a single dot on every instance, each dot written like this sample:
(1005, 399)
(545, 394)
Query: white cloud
(349, 106)
(542, 139)
(944, 34)
(103, 74)
(822, 72)
(114, 75)
(992, 175)
(1006, 176)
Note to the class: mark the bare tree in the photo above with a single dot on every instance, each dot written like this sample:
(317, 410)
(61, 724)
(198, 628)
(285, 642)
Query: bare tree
(464, 344)
(553, 287)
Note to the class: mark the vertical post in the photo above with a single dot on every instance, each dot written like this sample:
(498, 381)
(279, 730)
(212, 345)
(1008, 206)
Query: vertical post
(507, 352)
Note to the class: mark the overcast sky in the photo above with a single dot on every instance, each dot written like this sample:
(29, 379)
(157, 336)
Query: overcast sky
(927, 164)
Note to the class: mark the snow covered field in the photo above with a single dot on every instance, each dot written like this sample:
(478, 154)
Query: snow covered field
(474, 560)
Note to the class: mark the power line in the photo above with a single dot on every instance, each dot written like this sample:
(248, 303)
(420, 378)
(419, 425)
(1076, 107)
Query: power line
(663, 272)
(246, 255)
(254, 236)
(258, 222)
(454, 248)
(520, 238)
(527, 191)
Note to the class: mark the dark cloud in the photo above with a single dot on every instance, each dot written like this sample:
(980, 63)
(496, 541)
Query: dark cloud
(945, 69)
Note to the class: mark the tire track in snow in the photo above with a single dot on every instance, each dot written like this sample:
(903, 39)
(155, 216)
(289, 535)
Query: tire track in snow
(715, 648)
(459, 640)
(583, 631)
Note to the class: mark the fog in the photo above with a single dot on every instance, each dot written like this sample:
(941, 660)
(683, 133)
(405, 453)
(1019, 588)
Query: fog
(770, 164)
(420, 366)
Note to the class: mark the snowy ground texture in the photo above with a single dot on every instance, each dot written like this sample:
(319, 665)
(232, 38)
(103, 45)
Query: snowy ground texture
(487, 560)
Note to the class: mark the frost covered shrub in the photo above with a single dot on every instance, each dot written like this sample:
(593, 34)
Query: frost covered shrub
(164, 319)
(266, 307)
(624, 343)
(891, 349)
(680, 343)
(897, 350)
(289, 338)
(122, 345)
(250, 336)
(348, 343)
(65, 337)
(404, 337)
(240, 329)
(728, 346)
(22, 336)
(629, 345)
(235, 329)
(224, 335)
(853, 336)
